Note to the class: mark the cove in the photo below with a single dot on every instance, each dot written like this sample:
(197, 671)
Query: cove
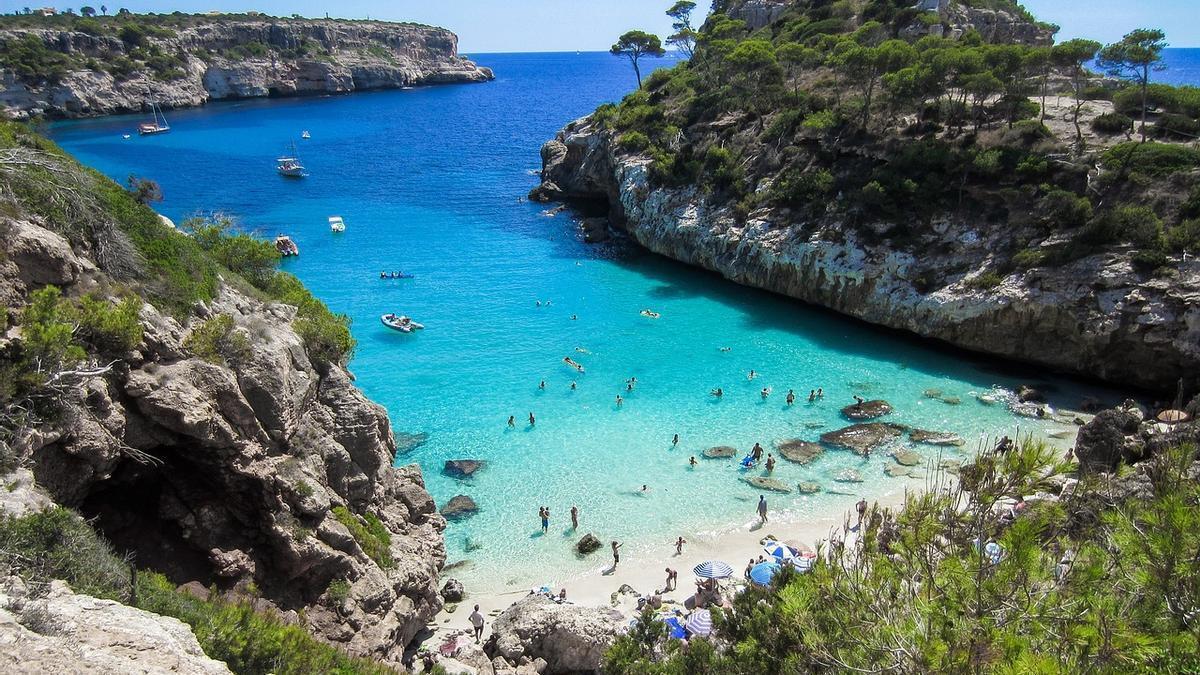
(431, 181)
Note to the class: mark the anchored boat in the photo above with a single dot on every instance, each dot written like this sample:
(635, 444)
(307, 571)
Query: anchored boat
(286, 246)
(289, 166)
(157, 126)
(336, 224)
(400, 323)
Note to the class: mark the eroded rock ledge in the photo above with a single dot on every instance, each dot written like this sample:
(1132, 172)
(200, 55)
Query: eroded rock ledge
(1096, 316)
(345, 56)
(265, 470)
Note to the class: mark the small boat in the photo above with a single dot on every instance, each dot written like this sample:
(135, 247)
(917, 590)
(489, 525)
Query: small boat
(157, 126)
(286, 246)
(289, 166)
(400, 323)
(305, 134)
(336, 224)
(395, 275)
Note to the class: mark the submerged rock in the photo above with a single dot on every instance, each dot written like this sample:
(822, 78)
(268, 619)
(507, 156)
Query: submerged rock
(848, 476)
(906, 457)
(720, 452)
(944, 438)
(460, 506)
(867, 410)
(897, 470)
(809, 487)
(588, 544)
(800, 452)
(764, 483)
(861, 438)
(951, 466)
(462, 468)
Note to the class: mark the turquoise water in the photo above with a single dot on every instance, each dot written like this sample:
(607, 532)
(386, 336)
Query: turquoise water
(430, 181)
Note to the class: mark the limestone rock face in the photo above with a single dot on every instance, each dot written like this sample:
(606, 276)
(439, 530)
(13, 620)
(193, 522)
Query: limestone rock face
(61, 631)
(1096, 315)
(568, 637)
(343, 56)
(255, 465)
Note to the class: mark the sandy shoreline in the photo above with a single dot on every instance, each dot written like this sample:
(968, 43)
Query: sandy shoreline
(646, 574)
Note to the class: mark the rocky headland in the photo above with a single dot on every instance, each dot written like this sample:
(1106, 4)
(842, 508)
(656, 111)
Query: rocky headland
(102, 68)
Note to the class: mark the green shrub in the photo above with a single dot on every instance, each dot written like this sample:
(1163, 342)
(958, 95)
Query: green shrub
(32, 60)
(1151, 159)
(58, 544)
(1063, 210)
(338, 590)
(1131, 223)
(1112, 123)
(820, 121)
(1149, 260)
(1185, 237)
(1176, 127)
(985, 281)
(216, 341)
(633, 141)
(1029, 258)
(112, 329)
(326, 335)
(253, 259)
(797, 188)
(372, 537)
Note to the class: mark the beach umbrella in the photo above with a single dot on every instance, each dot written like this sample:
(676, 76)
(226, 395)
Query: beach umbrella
(762, 573)
(1172, 416)
(699, 623)
(713, 569)
(780, 551)
(803, 563)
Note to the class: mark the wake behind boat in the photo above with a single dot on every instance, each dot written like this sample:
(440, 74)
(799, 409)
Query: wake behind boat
(400, 323)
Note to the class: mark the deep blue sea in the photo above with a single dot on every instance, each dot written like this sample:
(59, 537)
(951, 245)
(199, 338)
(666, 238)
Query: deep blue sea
(431, 181)
(1182, 67)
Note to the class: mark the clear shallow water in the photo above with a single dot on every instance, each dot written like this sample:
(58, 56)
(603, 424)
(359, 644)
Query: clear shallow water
(429, 181)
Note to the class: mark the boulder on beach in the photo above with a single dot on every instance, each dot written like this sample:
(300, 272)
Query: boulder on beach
(808, 487)
(867, 410)
(565, 638)
(848, 476)
(720, 452)
(588, 543)
(936, 437)
(906, 457)
(861, 438)
(798, 451)
(764, 483)
(460, 506)
(1028, 394)
(453, 591)
(462, 468)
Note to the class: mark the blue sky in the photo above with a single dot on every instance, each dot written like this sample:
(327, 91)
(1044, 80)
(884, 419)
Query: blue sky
(569, 25)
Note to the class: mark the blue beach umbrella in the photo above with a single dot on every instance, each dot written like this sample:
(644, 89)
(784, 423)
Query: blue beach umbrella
(781, 552)
(713, 569)
(762, 573)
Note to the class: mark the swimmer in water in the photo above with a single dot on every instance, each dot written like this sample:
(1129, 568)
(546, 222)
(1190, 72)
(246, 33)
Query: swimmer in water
(766, 391)
(751, 375)
(512, 420)
(791, 397)
(692, 461)
(675, 441)
(812, 396)
(542, 385)
(619, 400)
(574, 317)
(718, 392)
(572, 386)
(726, 349)
(532, 420)
(820, 393)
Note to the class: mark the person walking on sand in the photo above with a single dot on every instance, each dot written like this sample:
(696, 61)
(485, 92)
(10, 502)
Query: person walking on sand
(672, 580)
(679, 545)
(476, 619)
(616, 549)
(861, 507)
(762, 509)
(574, 517)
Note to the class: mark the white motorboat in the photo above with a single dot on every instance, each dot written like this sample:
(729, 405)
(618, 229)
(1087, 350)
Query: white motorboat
(336, 224)
(400, 323)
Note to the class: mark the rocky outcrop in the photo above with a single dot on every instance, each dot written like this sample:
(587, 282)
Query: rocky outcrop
(274, 472)
(298, 57)
(1096, 315)
(861, 439)
(53, 630)
(569, 638)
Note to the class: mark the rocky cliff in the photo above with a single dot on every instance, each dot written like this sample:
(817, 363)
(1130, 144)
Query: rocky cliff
(1095, 316)
(266, 473)
(207, 59)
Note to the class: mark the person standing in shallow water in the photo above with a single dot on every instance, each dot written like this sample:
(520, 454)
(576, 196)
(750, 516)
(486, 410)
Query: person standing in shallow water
(512, 420)
(532, 420)
(791, 397)
(675, 441)
(574, 517)
(770, 463)
(616, 549)
(762, 509)
(692, 461)
(544, 512)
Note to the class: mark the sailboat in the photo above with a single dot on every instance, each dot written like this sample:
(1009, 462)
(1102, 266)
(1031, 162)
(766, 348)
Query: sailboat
(158, 126)
(289, 166)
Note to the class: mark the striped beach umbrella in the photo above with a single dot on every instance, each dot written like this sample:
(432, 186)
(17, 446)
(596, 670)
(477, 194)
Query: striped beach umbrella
(762, 573)
(713, 569)
(781, 552)
(699, 623)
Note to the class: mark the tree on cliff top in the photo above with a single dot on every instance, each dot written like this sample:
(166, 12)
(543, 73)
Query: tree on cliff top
(634, 45)
(685, 35)
(1133, 58)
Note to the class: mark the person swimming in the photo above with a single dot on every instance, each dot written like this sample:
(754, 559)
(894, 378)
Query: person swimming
(820, 393)
(751, 375)
(791, 397)
(542, 385)
(532, 420)
(812, 395)
(572, 386)
(619, 400)
(766, 391)
(574, 317)
(675, 441)
(383, 275)
(692, 461)
(718, 392)
(726, 349)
